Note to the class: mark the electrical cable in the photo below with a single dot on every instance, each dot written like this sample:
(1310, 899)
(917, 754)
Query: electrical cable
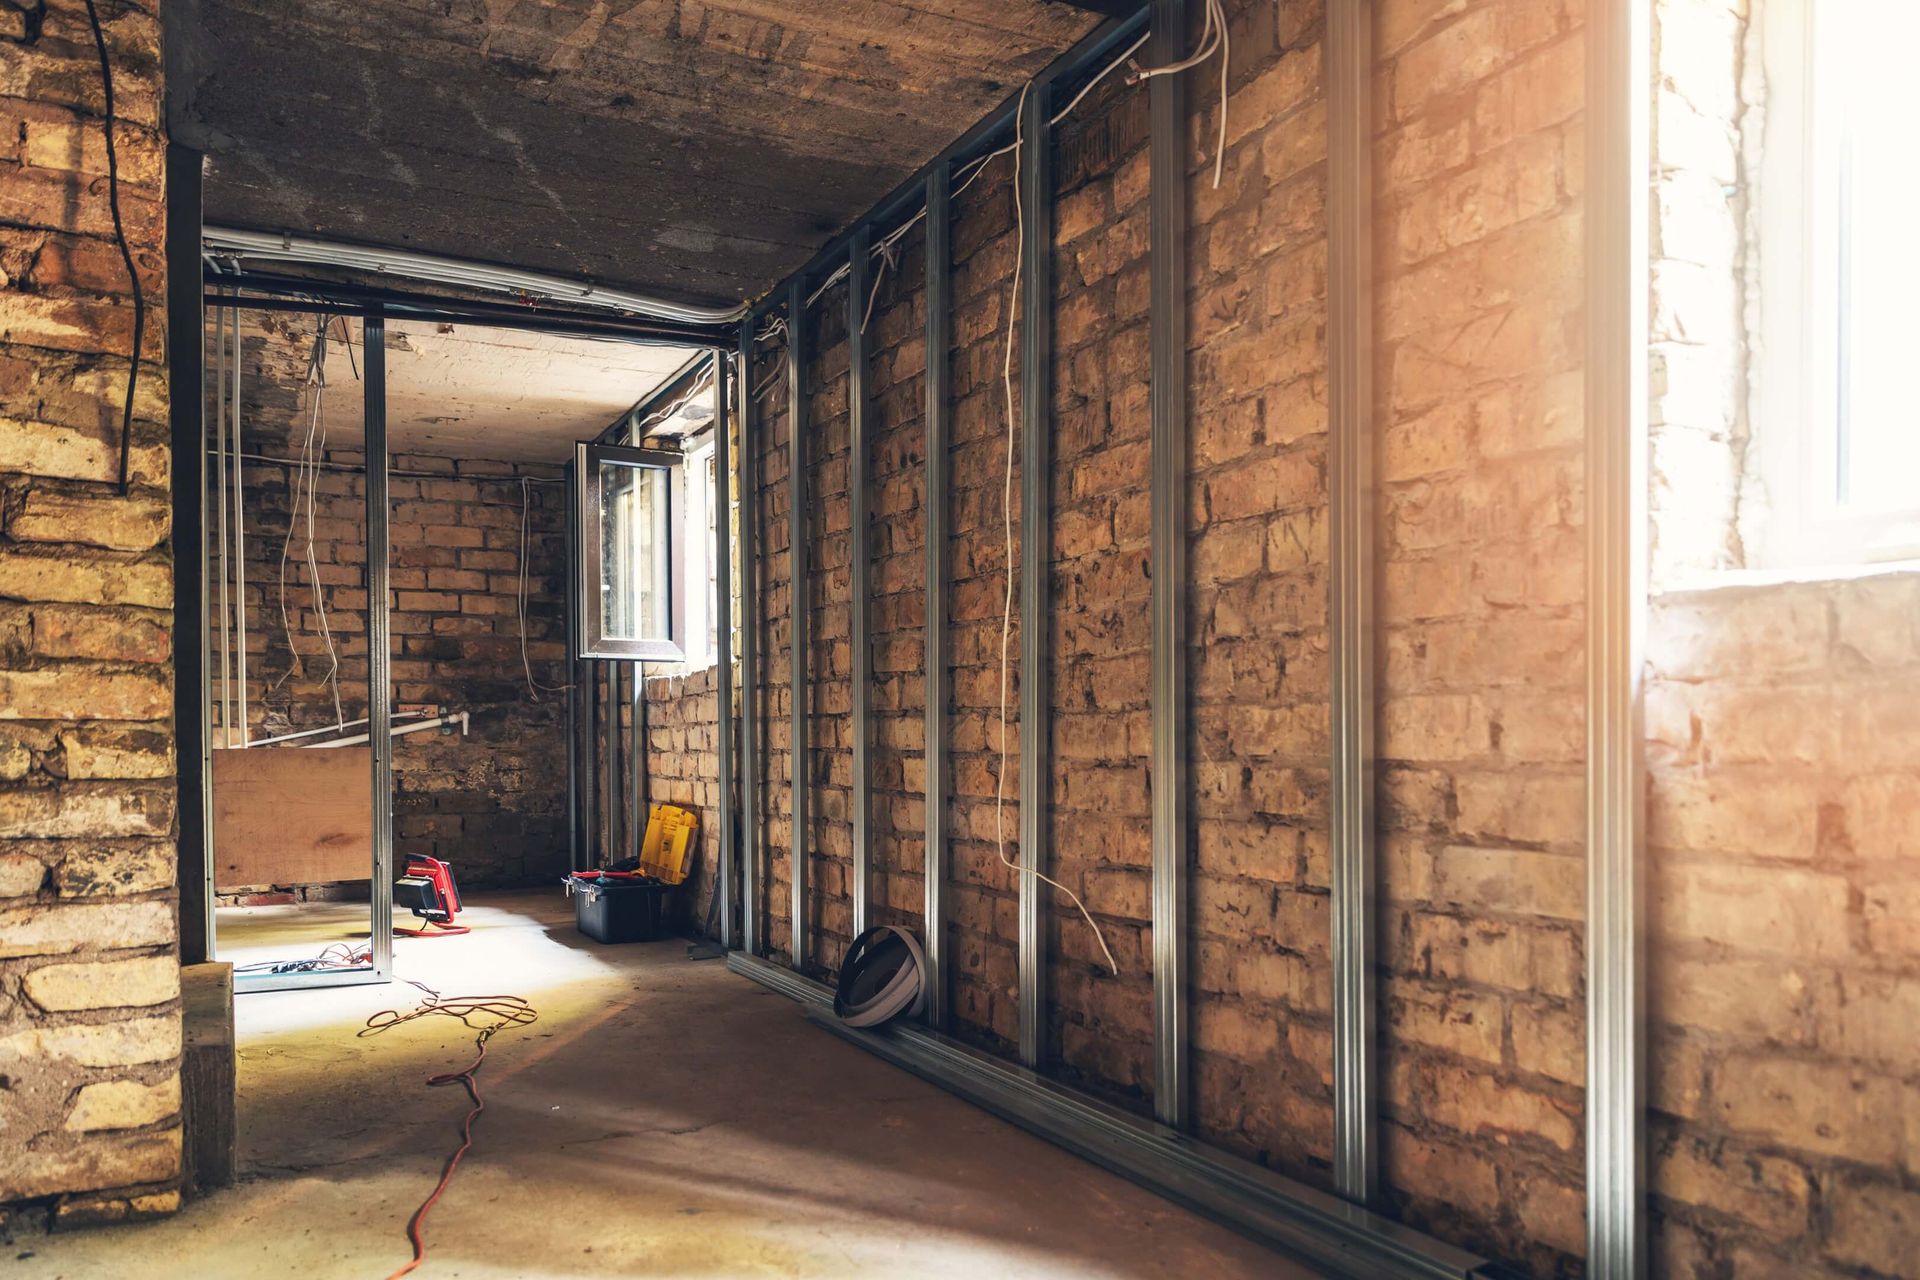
(308, 476)
(1006, 516)
(340, 955)
(534, 687)
(503, 1012)
(120, 237)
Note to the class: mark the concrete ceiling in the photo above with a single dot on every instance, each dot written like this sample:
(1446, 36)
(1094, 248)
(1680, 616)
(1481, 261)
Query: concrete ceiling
(452, 390)
(700, 151)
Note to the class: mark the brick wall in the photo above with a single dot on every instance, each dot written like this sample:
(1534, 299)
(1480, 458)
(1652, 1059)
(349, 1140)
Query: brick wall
(1698, 354)
(1784, 776)
(1478, 153)
(492, 803)
(89, 977)
(682, 767)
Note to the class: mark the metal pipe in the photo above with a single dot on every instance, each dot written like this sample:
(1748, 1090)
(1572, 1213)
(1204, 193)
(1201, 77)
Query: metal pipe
(797, 602)
(745, 468)
(1036, 530)
(373, 381)
(938, 662)
(406, 264)
(239, 539)
(859, 624)
(1167, 646)
(723, 639)
(1350, 500)
(1618, 53)
(326, 729)
(590, 775)
(220, 493)
(460, 718)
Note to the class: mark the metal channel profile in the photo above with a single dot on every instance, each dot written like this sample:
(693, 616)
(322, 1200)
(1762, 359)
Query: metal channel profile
(615, 753)
(1036, 538)
(1339, 1238)
(746, 468)
(859, 620)
(1167, 652)
(373, 382)
(723, 639)
(938, 660)
(1618, 54)
(187, 422)
(636, 759)
(1350, 603)
(797, 602)
(575, 831)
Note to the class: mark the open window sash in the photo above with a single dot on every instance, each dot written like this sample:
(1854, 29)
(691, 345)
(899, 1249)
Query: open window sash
(632, 592)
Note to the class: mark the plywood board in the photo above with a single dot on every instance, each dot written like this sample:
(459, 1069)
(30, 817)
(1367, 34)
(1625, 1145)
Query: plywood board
(292, 815)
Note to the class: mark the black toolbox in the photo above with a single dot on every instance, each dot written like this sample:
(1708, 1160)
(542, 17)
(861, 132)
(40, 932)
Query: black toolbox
(611, 906)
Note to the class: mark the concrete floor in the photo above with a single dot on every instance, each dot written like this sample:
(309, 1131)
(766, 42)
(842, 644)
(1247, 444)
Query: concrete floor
(663, 1118)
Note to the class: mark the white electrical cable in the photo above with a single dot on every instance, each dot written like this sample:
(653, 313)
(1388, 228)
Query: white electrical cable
(306, 481)
(534, 687)
(239, 537)
(226, 541)
(1006, 518)
(1214, 37)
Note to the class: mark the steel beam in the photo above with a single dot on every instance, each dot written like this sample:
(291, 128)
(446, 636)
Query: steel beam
(746, 466)
(1167, 677)
(1350, 602)
(797, 600)
(859, 623)
(187, 420)
(373, 383)
(1618, 56)
(937, 664)
(1035, 191)
(723, 638)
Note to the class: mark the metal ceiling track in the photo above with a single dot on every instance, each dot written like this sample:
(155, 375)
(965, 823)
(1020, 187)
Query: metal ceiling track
(257, 291)
(1344, 1239)
(406, 264)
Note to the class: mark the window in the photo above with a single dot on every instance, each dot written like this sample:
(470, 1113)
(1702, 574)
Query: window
(702, 568)
(631, 588)
(1837, 430)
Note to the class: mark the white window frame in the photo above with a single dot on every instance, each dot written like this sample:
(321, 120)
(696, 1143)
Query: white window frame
(590, 584)
(1796, 357)
(696, 535)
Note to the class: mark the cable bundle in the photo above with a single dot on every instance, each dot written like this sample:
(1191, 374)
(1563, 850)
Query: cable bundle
(496, 1013)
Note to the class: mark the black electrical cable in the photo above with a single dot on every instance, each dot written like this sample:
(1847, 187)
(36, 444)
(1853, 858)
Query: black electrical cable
(120, 235)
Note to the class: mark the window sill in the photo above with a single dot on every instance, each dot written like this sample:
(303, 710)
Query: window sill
(1781, 576)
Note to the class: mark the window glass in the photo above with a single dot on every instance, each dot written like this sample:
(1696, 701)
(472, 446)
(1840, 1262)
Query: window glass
(634, 580)
(1879, 274)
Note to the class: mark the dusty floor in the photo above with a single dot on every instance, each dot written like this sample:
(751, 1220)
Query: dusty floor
(663, 1118)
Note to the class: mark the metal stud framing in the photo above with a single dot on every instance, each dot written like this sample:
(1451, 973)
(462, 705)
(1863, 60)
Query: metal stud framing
(797, 601)
(1167, 162)
(575, 829)
(373, 381)
(723, 638)
(636, 758)
(746, 467)
(937, 663)
(859, 623)
(1350, 605)
(1618, 52)
(1035, 192)
(186, 375)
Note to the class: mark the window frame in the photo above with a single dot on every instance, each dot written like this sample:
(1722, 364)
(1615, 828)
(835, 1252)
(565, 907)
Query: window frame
(1798, 364)
(590, 581)
(702, 651)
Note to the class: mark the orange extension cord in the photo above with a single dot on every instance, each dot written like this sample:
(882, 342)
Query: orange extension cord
(505, 1011)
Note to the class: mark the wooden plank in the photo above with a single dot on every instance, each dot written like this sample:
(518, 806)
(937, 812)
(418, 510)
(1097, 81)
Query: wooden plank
(292, 815)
